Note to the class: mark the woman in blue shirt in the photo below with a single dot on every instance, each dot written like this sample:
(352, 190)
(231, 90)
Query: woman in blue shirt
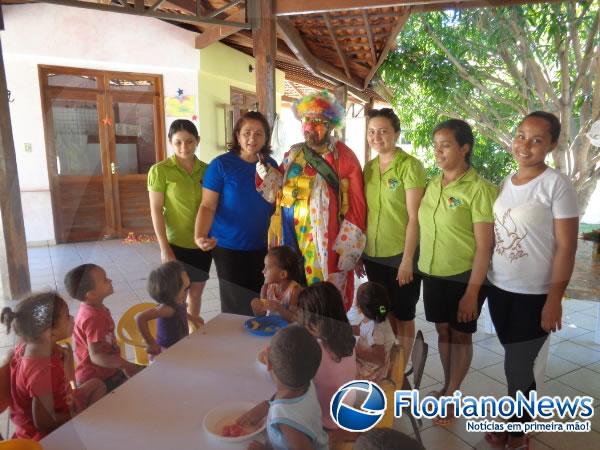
(233, 218)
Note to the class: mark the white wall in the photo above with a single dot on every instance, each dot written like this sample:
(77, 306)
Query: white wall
(74, 37)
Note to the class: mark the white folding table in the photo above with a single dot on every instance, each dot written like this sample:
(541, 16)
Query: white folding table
(163, 406)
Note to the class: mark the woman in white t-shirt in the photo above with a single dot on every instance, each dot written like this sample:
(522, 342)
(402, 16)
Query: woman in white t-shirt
(535, 223)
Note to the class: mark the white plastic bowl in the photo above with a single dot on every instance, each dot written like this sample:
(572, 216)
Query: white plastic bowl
(222, 415)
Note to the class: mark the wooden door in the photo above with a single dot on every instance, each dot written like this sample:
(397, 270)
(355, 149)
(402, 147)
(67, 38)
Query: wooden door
(103, 131)
(134, 107)
(72, 107)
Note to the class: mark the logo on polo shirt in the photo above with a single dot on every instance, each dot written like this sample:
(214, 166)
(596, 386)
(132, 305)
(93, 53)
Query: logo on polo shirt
(393, 184)
(454, 202)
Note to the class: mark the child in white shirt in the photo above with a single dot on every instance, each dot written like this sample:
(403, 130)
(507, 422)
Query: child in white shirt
(377, 337)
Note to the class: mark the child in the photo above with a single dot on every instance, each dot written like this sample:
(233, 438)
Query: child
(321, 312)
(98, 355)
(386, 439)
(279, 294)
(42, 398)
(294, 417)
(377, 337)
(168, 285)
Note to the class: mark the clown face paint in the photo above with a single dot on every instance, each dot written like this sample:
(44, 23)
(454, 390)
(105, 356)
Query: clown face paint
(316, 130)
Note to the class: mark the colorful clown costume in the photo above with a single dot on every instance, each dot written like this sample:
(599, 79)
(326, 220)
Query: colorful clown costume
(323, 224)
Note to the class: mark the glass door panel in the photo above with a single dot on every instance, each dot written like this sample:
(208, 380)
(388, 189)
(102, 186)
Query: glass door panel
(76, 142)
(135, 135)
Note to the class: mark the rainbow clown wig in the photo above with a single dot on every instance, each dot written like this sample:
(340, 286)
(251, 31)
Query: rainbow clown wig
(322, 103)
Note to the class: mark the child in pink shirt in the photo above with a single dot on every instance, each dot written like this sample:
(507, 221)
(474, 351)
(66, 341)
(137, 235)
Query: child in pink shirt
(98, 355)
(279, 294)
(41, 397)
(321, 312)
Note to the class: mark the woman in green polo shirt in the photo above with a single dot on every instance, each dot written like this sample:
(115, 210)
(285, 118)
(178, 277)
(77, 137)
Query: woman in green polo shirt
(456, 239)
(394, 185)
(175, 189)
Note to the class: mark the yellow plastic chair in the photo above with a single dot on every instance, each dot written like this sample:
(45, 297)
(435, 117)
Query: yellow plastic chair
(397, 365)
(128, 332)
(5, 382)
(340, 440)
(20, 444)
(5, 399)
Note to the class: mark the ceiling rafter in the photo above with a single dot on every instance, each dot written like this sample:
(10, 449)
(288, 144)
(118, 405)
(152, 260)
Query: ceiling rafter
(295, 88)
(370, 36)
(140, 9)
(223, 8)
(318, 67)
(214, 33)
(155, 6)
(390, 42)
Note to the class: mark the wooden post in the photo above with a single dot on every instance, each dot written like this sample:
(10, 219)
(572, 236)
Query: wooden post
(14, 265)
(368, 107)
(264, 35)
(341, 95)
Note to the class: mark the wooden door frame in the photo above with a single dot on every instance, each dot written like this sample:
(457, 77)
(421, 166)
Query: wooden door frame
(111, 197)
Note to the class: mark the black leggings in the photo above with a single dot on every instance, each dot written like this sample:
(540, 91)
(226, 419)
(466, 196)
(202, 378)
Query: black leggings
(517, 318)
(240, 278)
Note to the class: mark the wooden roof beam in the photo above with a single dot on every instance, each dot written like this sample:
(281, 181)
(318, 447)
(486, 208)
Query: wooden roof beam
(289, 7)
(264, 35)
(244, 39)
(336, 44)
(425, 7)
(14, 262)
(214, 33)
(140, 10)
(370, 36)
(388, 45)
(157, 4)
(316, 66)
(223, 8)
(295, 88)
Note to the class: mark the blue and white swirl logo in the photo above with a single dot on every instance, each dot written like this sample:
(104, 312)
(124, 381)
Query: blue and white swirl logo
(361, 417)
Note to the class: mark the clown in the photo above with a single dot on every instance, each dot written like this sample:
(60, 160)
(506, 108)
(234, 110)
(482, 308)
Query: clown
(318, 192)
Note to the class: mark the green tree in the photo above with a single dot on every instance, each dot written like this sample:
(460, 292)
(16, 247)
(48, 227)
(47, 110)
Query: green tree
(492, 66)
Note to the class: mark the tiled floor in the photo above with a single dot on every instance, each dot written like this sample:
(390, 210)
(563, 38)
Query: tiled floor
(573, 364)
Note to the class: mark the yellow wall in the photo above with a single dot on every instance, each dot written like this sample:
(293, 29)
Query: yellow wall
(221, 68)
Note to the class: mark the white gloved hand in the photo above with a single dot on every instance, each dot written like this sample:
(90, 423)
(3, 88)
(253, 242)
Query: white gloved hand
(262, 170)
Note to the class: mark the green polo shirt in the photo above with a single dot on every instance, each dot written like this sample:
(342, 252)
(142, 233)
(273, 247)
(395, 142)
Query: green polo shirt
(446, 218)
(385, 192)
(183, 193)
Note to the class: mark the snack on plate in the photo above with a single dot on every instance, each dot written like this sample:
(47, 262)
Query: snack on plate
(265, 325)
